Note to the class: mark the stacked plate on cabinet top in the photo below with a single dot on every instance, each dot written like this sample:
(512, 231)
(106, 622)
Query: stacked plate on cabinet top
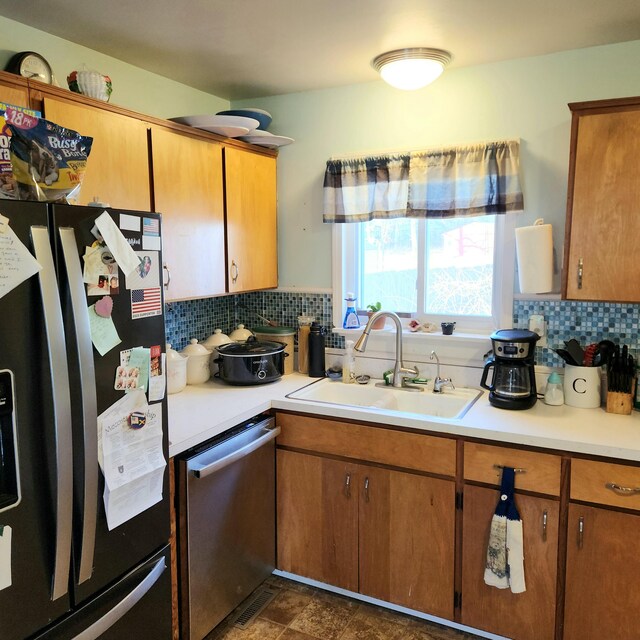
(259, 136)
(229, 126)
(249, 125)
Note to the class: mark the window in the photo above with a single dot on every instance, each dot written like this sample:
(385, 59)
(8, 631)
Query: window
(435, 269)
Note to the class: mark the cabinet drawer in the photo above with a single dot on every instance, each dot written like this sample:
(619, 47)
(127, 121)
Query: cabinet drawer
(589, 482)
(373, 444)
(541, 470)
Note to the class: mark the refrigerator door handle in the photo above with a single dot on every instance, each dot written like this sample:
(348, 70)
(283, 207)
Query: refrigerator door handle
(124, 606)
(84, 348)
(61, 409)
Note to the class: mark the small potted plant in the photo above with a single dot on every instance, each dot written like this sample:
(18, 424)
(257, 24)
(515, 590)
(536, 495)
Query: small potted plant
(371, 309)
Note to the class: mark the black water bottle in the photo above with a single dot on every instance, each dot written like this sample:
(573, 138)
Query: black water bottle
(316, 351)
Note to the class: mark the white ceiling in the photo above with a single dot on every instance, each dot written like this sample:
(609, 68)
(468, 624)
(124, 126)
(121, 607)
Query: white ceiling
(249, 48)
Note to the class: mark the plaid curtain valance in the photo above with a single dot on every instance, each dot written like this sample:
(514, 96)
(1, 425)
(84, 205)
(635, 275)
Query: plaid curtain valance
(472, 180)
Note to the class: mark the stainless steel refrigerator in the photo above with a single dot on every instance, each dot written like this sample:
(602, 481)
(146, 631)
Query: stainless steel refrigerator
(71, 577)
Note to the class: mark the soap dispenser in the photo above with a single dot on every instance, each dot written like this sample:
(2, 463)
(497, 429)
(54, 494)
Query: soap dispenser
(554, 393)
(351, 320)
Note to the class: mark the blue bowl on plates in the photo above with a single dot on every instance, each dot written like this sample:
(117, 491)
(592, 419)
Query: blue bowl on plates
(262, 116)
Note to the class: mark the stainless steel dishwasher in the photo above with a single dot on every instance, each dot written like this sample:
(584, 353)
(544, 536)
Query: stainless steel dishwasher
(226, 524)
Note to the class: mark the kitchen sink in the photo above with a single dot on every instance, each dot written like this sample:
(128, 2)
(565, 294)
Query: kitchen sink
(451, 403)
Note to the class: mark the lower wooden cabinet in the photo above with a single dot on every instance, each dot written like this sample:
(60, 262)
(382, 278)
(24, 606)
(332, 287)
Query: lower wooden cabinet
(317, 516)
(603, 564)
(406, 539)
(384, 533)
(522, 616)
(373, 511)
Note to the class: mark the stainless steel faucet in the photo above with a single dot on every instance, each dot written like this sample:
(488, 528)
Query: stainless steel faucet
(439, 383)
(399, 370)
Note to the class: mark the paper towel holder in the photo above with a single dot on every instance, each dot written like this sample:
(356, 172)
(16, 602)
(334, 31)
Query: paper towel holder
(534, 248)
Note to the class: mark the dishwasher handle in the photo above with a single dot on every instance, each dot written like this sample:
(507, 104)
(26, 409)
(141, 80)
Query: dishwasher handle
(202, 471)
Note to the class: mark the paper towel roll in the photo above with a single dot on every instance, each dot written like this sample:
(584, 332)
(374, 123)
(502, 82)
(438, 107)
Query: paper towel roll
(534, 247)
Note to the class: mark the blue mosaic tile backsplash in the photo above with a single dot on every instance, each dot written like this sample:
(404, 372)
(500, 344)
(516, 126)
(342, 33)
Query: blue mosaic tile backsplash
(586, 321)
(199, 318)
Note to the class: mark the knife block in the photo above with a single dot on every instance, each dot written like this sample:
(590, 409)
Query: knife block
(621, 403)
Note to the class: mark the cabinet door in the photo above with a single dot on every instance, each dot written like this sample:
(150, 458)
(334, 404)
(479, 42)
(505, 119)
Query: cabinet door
(407, 533)
(18, 96)
(605, 215)
(602, 596)
(252, 251)
(521, 616)
(118, 165)
(188, 192)
(317, 516)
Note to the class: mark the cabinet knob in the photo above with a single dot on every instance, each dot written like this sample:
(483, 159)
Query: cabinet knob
(167, 280)
(366, 489)
(235, 272)
(545, 517)
(580, 272)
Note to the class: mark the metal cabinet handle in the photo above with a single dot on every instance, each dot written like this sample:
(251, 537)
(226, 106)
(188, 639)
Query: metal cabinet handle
(84, 350)
(545, 517)
(234, 269)
(500, 467)
(580, 272)
(167, 282)
(622, 491)
(366, 489)
(580, 532)
(61, 409)
(347, 485)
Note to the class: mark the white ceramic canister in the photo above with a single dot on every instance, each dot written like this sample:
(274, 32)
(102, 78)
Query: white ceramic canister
(216, 339)
(582, 387)
(197, 363)
(240, 334)
(286, 335)
(176, 371)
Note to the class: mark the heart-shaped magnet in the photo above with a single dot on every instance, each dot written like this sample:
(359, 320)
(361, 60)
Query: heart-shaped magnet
(104, 306)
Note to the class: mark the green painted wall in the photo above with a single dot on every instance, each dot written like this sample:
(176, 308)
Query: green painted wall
(133, 87)
(525, 98)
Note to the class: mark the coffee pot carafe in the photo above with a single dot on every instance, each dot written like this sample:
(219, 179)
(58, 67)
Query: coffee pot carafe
(513, 385)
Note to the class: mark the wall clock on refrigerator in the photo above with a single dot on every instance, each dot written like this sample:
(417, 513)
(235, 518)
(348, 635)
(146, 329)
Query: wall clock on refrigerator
(30, 64)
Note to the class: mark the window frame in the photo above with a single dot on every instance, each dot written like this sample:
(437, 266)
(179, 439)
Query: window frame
(345, 265)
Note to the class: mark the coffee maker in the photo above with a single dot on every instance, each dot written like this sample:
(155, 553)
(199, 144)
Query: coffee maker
(513, 385)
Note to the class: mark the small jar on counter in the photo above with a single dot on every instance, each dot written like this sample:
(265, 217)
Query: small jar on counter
(554, 393)
(279, 334)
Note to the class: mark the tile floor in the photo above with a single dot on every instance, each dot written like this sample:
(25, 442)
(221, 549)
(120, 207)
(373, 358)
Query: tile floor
(301, 612)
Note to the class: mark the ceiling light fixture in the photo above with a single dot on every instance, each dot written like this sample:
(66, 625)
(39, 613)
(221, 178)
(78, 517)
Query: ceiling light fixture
(411, 68)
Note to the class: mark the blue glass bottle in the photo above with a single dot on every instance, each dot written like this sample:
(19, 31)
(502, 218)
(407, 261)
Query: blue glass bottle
(351, 320)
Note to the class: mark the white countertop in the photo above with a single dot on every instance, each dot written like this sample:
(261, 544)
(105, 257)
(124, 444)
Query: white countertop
(203, 411)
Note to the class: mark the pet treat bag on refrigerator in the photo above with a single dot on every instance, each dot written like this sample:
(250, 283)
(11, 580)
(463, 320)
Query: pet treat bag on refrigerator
(47, 160)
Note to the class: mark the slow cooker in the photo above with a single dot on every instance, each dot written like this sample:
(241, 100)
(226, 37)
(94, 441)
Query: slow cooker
(251, 362)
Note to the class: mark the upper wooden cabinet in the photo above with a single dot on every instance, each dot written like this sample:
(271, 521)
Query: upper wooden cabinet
(118, 165)
(14, 93)
(252, 251)
(603, 205)
(188, 192)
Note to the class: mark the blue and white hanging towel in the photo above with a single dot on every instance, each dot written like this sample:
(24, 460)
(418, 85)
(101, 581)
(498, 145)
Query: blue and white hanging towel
(505, 553)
